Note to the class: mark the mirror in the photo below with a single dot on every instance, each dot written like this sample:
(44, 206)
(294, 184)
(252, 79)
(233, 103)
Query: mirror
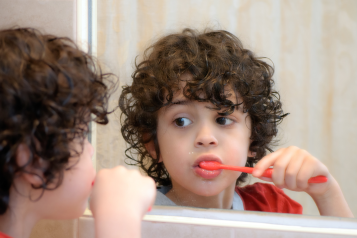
(312, 45)
(206, 223)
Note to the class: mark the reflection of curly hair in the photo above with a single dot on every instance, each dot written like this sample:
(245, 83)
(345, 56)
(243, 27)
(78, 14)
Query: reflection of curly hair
(48, 89)
(214, 59)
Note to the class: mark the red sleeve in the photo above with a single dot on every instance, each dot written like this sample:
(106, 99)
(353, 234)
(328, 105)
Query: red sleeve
(2, 235)
(267, 198)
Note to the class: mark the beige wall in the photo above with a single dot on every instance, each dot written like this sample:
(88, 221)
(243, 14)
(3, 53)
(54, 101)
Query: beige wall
(313, 45)
(52, 17)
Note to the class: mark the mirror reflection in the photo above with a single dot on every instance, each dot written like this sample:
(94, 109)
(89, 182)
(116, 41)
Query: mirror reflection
(209, 95)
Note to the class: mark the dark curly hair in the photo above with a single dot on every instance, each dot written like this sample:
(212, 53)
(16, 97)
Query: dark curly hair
(48, 90)
(215, 60)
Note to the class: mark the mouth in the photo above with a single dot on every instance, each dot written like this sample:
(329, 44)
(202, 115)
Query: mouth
(203, 173)
(208, 157)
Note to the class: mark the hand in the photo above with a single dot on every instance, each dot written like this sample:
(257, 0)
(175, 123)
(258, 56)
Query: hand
(293, 167)
(120, 198)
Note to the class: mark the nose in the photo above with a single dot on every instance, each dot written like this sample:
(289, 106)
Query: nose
(206, 138)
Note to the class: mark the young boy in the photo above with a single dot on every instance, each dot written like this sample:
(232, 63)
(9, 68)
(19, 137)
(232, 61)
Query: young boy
(48, 91)
(203, 97)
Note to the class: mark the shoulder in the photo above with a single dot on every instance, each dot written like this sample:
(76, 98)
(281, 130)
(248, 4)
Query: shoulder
(267, 198)
(161, 199)
(2, 235)
(260, 189)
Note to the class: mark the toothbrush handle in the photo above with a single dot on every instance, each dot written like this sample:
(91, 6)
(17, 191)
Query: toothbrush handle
(318, 179)
(268, 173)
(248, 170)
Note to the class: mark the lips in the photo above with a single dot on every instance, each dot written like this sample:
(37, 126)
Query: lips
(207, 174)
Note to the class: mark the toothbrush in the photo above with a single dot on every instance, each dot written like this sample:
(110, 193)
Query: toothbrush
(214, 165)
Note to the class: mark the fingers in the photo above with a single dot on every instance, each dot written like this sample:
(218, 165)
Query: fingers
(293, 167)
(119, 189)
(305, 173)
(266, 162)
(280, 166)
(150, 193)
(272, 159)
(309, 169)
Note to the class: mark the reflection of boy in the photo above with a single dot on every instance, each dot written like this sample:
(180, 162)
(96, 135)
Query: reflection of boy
(48, 91)
(201, 97)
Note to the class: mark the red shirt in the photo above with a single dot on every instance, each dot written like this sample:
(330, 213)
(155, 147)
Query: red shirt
(2, 235)
(267, 198)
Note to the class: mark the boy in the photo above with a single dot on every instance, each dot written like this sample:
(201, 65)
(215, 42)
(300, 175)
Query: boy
(48, 91)
(201, 97)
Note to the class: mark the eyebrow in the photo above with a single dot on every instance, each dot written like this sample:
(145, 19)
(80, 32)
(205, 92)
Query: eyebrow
(178, 102)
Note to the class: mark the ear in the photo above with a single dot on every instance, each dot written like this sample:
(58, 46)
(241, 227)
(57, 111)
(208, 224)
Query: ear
(33, 175)
(252, 154)
(150, 147)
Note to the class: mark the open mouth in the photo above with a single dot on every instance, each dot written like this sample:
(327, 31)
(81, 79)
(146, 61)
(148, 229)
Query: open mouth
(207, 174)
(207, 157)
(203, 173)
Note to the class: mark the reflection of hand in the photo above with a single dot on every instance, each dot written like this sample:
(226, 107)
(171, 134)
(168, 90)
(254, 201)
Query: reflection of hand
(293, 167)
(119, 200)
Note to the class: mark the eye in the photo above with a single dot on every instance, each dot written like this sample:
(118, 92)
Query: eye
(224, 121)
(182, 122)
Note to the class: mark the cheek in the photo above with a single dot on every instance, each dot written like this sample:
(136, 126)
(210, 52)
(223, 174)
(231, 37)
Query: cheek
(237, 150)
(78, 185)
(69, 200)
(167, 140)
(174, 154)
(79, 180)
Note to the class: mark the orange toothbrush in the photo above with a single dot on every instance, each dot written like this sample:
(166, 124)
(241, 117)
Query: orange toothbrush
(214, 165)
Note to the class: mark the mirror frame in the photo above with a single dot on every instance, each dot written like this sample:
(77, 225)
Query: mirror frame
(262, 221)
(86, 39)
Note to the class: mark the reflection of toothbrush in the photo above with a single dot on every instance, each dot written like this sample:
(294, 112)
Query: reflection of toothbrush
(214, 165)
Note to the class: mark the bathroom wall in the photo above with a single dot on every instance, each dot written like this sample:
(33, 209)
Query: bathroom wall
(54, 17)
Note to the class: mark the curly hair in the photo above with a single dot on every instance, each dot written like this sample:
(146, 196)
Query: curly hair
(215, 60)
(48, 90)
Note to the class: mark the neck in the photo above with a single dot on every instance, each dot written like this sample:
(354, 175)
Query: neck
(183, 197)
(14, 227)
(19, 218)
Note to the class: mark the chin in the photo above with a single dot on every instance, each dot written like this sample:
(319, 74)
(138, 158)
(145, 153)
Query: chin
(208, 191)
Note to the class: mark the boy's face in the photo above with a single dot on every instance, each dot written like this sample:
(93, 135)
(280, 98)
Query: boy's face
(189, 132)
